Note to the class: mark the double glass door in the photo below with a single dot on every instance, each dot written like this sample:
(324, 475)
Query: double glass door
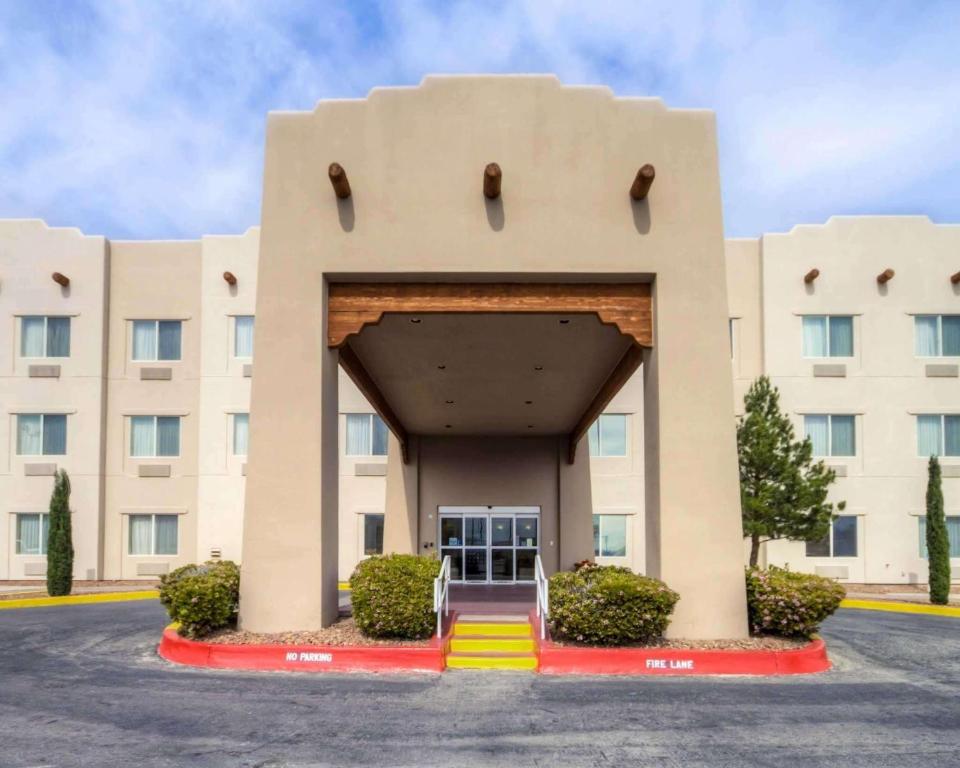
(490, 545)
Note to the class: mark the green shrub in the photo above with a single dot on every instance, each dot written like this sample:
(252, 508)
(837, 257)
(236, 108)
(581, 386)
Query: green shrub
(788, 603)
(608, 605)
(202, 598)
(60, 539)
(392, 596)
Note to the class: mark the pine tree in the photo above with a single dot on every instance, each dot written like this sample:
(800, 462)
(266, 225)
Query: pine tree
(60, 541)
(783, 492)
(938, 545)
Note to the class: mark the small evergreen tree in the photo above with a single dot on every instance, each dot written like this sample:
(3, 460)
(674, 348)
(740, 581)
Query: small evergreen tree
(938, 545)
(783, 492)
(60, 540)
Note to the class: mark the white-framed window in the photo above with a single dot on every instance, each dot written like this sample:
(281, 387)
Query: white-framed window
(152, 535)
(33, 530)
(831, 434)
(610, 535)
(44, 336)
(241, 434)
(731, 331)
(607, 436)
(841, 541)
(937, 335)
(938, 434)
(366, 435)
(243, 336)
(372, 534)
(153, 436)
(156, 340)
(953, 535)
(827, 336)
(41, 434)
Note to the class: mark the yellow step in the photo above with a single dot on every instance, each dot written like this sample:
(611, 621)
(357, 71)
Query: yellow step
(507, 644)
(491, 661)
(493, 629)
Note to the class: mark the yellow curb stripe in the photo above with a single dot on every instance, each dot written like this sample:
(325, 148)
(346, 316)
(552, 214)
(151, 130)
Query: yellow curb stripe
(886, 605)
(343, 586)
(101, 597)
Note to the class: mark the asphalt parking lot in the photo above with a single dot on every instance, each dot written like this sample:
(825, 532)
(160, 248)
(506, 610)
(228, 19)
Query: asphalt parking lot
(82, 686)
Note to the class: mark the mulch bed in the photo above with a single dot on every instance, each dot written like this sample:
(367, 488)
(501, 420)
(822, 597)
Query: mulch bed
(342, 633)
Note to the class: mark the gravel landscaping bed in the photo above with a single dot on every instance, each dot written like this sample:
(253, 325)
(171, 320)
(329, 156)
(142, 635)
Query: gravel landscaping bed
(763, 643)
(343, 632)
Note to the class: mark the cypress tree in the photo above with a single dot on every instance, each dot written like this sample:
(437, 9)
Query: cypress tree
(938, 545)
(60, 539)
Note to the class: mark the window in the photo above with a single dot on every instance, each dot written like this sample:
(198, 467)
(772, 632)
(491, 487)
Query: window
(730, 330)
(32, 533)
(840, 542)
(373, 534)
(45, 337)
(610, 535)
(241, 433)
(608, 435)
(827, 336)
(243, 336)
(938, 435)
(937, 335)
(152, 436)
(831, 434)
(366, 435)
(155, 340)
(41, 434)
(153, 535)
(953, 536)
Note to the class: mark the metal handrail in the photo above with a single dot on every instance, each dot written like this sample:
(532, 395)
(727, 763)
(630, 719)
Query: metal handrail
(543, 596)
(441, 593)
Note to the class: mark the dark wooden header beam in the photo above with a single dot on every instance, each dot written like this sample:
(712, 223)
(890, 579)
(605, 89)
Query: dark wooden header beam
(885, 276)
(365, 383)
(642, 182)
(618, 377)
(338, 178)
(61, 279)
(812, 275)
(492, 176)
(352, 306)
(230, 278)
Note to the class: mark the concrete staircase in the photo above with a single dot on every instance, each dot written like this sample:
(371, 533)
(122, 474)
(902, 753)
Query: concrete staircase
(492, 642)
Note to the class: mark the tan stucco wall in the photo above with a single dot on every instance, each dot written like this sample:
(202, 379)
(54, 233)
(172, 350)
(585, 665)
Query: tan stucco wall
(885, 386)
(30, 252)
(417, 209)
(156, 281)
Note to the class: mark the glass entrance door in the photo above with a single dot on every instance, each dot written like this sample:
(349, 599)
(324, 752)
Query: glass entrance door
(490, 545)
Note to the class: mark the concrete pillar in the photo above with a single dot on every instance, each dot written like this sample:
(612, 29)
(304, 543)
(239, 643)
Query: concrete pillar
(289, 567)
(694, 533)
(576, 507)
(403, 498)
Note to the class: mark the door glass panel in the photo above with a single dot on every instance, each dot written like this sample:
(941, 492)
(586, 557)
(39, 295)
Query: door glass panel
(475, 564)
(475, 531)
(451, 532)
(456, 562)
(526, 531)
(501, 565)
(501, 531)
(525, 564)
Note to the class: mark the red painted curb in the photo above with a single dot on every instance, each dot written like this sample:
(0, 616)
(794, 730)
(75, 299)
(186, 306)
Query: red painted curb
(556, 660)
(302, 658)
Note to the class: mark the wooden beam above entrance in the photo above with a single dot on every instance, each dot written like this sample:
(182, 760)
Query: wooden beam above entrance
(352, 306)
(618, 377)
(365, 383)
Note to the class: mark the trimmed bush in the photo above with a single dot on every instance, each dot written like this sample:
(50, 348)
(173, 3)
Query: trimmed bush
(608, 605)
(202, 598)
(392, 596)
(787, 603)
(60, 539)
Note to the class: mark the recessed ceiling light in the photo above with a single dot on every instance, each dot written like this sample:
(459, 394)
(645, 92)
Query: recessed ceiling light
(449, 402)
(528, 402)
(538, 367)
(529, 426)
(414, 319)
(448, 426)
(564, 321)
(441, 367)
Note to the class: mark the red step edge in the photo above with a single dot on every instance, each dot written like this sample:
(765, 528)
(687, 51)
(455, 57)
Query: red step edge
(556, 660)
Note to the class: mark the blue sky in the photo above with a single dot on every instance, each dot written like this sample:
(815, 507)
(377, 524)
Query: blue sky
(145, 119)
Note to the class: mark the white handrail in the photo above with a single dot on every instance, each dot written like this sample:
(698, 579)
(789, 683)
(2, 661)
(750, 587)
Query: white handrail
(543, 596)
(441, 593)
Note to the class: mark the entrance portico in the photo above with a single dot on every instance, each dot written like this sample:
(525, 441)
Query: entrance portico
(488, 408)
